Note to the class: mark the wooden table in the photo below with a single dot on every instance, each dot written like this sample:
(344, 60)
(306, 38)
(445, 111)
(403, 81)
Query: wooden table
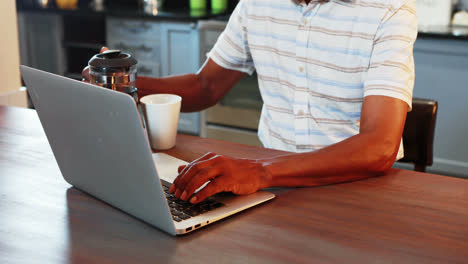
(403, 217)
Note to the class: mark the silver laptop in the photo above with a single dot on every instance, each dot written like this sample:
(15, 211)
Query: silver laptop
(100, 145)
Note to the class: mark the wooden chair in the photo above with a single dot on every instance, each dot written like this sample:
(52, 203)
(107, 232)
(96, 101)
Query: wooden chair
(418, 134)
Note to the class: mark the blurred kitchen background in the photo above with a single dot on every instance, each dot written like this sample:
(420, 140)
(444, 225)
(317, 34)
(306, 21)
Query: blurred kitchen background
(168, 37)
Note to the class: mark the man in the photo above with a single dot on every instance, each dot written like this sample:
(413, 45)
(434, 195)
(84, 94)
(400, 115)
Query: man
(336, 78)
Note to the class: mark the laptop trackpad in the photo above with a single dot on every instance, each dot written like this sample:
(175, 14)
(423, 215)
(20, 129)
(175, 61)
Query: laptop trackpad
(167, 166)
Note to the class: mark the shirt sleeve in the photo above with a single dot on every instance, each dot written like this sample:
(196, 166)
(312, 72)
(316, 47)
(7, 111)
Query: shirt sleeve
(391, 70)
(231, 50)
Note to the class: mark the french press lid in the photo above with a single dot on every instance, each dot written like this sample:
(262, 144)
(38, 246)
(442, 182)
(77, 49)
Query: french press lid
(112, 61)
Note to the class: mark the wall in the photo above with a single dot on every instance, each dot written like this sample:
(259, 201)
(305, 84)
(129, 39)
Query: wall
(10, 90)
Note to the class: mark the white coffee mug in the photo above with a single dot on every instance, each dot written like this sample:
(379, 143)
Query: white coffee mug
(161, 113)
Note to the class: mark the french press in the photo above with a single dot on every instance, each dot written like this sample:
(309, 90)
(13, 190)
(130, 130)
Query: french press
(115, 70)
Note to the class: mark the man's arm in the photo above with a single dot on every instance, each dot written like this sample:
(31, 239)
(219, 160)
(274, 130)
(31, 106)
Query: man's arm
(198, 91)
(368, 154)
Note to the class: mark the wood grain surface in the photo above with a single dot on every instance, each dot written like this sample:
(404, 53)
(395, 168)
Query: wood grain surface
(402, 217)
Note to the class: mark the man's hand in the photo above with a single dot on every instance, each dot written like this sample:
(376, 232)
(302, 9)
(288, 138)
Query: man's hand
(85, 72)
(224, 174)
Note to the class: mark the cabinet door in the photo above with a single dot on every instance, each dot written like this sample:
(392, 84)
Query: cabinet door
(181, 46)
(141, 39)
(209, 32)
(40, 38)
(441, 74)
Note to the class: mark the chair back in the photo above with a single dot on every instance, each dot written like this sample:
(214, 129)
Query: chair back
(418, 134)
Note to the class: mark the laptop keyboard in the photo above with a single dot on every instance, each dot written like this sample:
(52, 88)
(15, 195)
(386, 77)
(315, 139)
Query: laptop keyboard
(182, 210)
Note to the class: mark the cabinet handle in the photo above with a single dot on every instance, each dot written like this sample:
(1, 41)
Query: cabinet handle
(145, 48)
(139, 29)
(145, 26)
(133, 30)
(142, 47)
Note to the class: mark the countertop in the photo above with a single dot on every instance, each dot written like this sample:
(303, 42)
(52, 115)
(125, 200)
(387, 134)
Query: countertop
(181, 14)
(445, 32)
(186, 15)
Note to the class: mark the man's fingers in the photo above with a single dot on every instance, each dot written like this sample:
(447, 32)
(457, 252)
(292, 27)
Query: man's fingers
(207, 156)
(199, 179)
(189, 173)
(187, 168)
(212, 188)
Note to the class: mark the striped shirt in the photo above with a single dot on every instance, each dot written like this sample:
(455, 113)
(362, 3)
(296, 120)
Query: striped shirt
(316, 62)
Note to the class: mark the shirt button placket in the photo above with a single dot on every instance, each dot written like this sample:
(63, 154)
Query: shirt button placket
(300, 106)
(300, 94)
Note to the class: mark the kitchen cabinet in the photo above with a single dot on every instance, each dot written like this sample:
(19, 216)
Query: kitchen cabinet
(140, 38)
(63, 44)
(83, 36)
(181, 44)
(162, 48)
(59, 44)
(441, 74)
(40, 38)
